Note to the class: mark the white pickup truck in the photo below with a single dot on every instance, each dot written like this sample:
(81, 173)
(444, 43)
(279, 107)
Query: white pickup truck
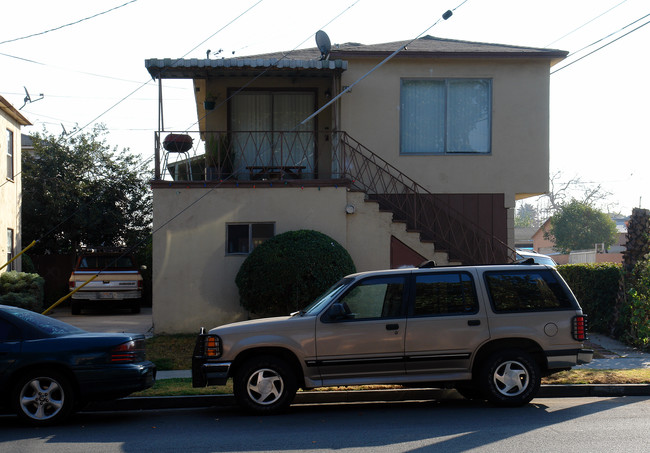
(118, 282)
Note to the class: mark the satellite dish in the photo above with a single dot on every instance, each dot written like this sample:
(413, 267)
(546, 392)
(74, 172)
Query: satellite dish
(324, 44)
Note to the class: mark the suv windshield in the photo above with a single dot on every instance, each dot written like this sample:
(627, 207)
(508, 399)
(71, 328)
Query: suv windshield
(324, 299)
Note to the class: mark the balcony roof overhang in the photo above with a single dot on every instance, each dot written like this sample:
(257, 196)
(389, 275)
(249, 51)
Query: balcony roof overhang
(194, 68)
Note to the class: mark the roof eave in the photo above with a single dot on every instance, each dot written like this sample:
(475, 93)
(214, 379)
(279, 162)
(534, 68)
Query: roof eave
(196, 68)
(13, 113)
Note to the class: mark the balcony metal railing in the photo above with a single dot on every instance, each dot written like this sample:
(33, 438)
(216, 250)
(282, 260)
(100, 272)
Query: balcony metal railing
(272, 155)
(240, 156)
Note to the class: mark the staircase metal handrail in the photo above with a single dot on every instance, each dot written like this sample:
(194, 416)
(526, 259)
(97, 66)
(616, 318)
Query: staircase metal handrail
(409, 201)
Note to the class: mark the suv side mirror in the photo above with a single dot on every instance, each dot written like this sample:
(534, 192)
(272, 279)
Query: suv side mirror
(336, 312)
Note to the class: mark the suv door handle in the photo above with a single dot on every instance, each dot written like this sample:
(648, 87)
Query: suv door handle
(474, 322)
(392, 326)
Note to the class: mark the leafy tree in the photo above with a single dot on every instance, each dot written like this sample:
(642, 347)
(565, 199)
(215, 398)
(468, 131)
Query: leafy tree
(77, 191)
(527, 216)
(578, 226)
(286, 273)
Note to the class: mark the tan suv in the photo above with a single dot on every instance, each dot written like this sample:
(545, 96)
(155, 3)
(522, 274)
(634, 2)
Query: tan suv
(492, 332)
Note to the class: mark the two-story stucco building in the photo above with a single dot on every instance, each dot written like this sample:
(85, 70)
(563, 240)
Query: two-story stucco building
(421, 157)
(11, 121)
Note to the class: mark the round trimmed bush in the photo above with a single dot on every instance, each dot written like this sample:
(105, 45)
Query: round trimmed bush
(287, 272)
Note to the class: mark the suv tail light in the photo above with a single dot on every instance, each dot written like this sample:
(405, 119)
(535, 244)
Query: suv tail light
(129, 352)
(580, 328)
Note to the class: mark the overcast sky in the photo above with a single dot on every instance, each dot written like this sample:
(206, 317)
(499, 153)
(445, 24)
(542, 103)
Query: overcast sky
(93, 71)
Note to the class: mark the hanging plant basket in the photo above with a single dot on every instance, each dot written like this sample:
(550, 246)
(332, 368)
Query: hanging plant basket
(177, 143)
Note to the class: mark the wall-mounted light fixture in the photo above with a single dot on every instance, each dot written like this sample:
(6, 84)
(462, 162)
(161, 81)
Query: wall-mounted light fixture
(349, 209)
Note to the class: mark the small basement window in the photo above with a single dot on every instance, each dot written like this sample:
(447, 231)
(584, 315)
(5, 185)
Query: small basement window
(242, 238)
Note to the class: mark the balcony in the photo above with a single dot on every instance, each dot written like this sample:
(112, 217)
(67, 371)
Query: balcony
(249, 156)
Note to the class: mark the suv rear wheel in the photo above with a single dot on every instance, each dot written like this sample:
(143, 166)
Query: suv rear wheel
(510, 378)
(264, 385)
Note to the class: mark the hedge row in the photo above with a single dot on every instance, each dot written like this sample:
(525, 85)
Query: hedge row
(20, 289)
(596, 286)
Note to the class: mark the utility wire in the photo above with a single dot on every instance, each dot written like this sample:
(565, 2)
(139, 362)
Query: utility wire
(445, 16)
(604, 45)
(264, 71)
(149, 81)
(585, 24)
(68, 25)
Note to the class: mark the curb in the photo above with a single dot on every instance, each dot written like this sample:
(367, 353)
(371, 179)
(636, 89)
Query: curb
(360, 396)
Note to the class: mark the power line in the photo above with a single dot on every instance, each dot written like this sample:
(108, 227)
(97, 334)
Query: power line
(70, 24)
(148, 81)
(264, 71)
(585, 24)
(607, 44)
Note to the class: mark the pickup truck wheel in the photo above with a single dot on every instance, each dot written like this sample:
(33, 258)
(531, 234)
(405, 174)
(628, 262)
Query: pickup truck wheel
(75, 307)
(510, 378)
(43, 398)
(135, 306)
(264, 385)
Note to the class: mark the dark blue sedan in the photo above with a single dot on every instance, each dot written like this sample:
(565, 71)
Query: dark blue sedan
(49, 369)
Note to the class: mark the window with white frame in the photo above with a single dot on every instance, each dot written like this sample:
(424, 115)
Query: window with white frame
(10, 248)
(242, 238)
(10, 154)
(445, 116)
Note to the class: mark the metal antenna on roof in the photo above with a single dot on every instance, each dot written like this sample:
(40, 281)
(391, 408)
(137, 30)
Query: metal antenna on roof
(324, 44)
(29, 99)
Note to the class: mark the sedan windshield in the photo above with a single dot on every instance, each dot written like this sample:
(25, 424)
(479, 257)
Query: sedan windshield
(49, 326)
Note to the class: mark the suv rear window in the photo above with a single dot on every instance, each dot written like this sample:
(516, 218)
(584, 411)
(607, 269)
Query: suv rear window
(105, 262)
(526, 291)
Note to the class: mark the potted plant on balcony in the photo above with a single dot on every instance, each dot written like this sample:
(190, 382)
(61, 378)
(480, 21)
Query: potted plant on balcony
(210, 101)
(218, 156)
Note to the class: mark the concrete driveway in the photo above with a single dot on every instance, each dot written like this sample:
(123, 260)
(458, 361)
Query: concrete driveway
(108, 321)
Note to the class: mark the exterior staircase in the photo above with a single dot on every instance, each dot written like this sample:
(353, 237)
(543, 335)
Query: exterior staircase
(457, 239)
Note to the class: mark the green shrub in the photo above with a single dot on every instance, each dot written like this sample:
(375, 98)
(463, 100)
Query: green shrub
(28, 265)
(287, 272)
(595, 286)
(635, 313)
(23, 290)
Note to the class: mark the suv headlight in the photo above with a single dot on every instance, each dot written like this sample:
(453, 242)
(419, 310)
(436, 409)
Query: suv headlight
(208, 346)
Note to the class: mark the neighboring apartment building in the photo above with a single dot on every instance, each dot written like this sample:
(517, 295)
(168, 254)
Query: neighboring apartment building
(11, 121)
(422, 159)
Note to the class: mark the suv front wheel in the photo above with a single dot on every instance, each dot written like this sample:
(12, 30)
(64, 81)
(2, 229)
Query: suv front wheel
(510, 378)
(264, 385)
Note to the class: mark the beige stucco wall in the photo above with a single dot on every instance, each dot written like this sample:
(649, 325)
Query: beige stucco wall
(520, 123)
(10, 190)
(194, 279)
